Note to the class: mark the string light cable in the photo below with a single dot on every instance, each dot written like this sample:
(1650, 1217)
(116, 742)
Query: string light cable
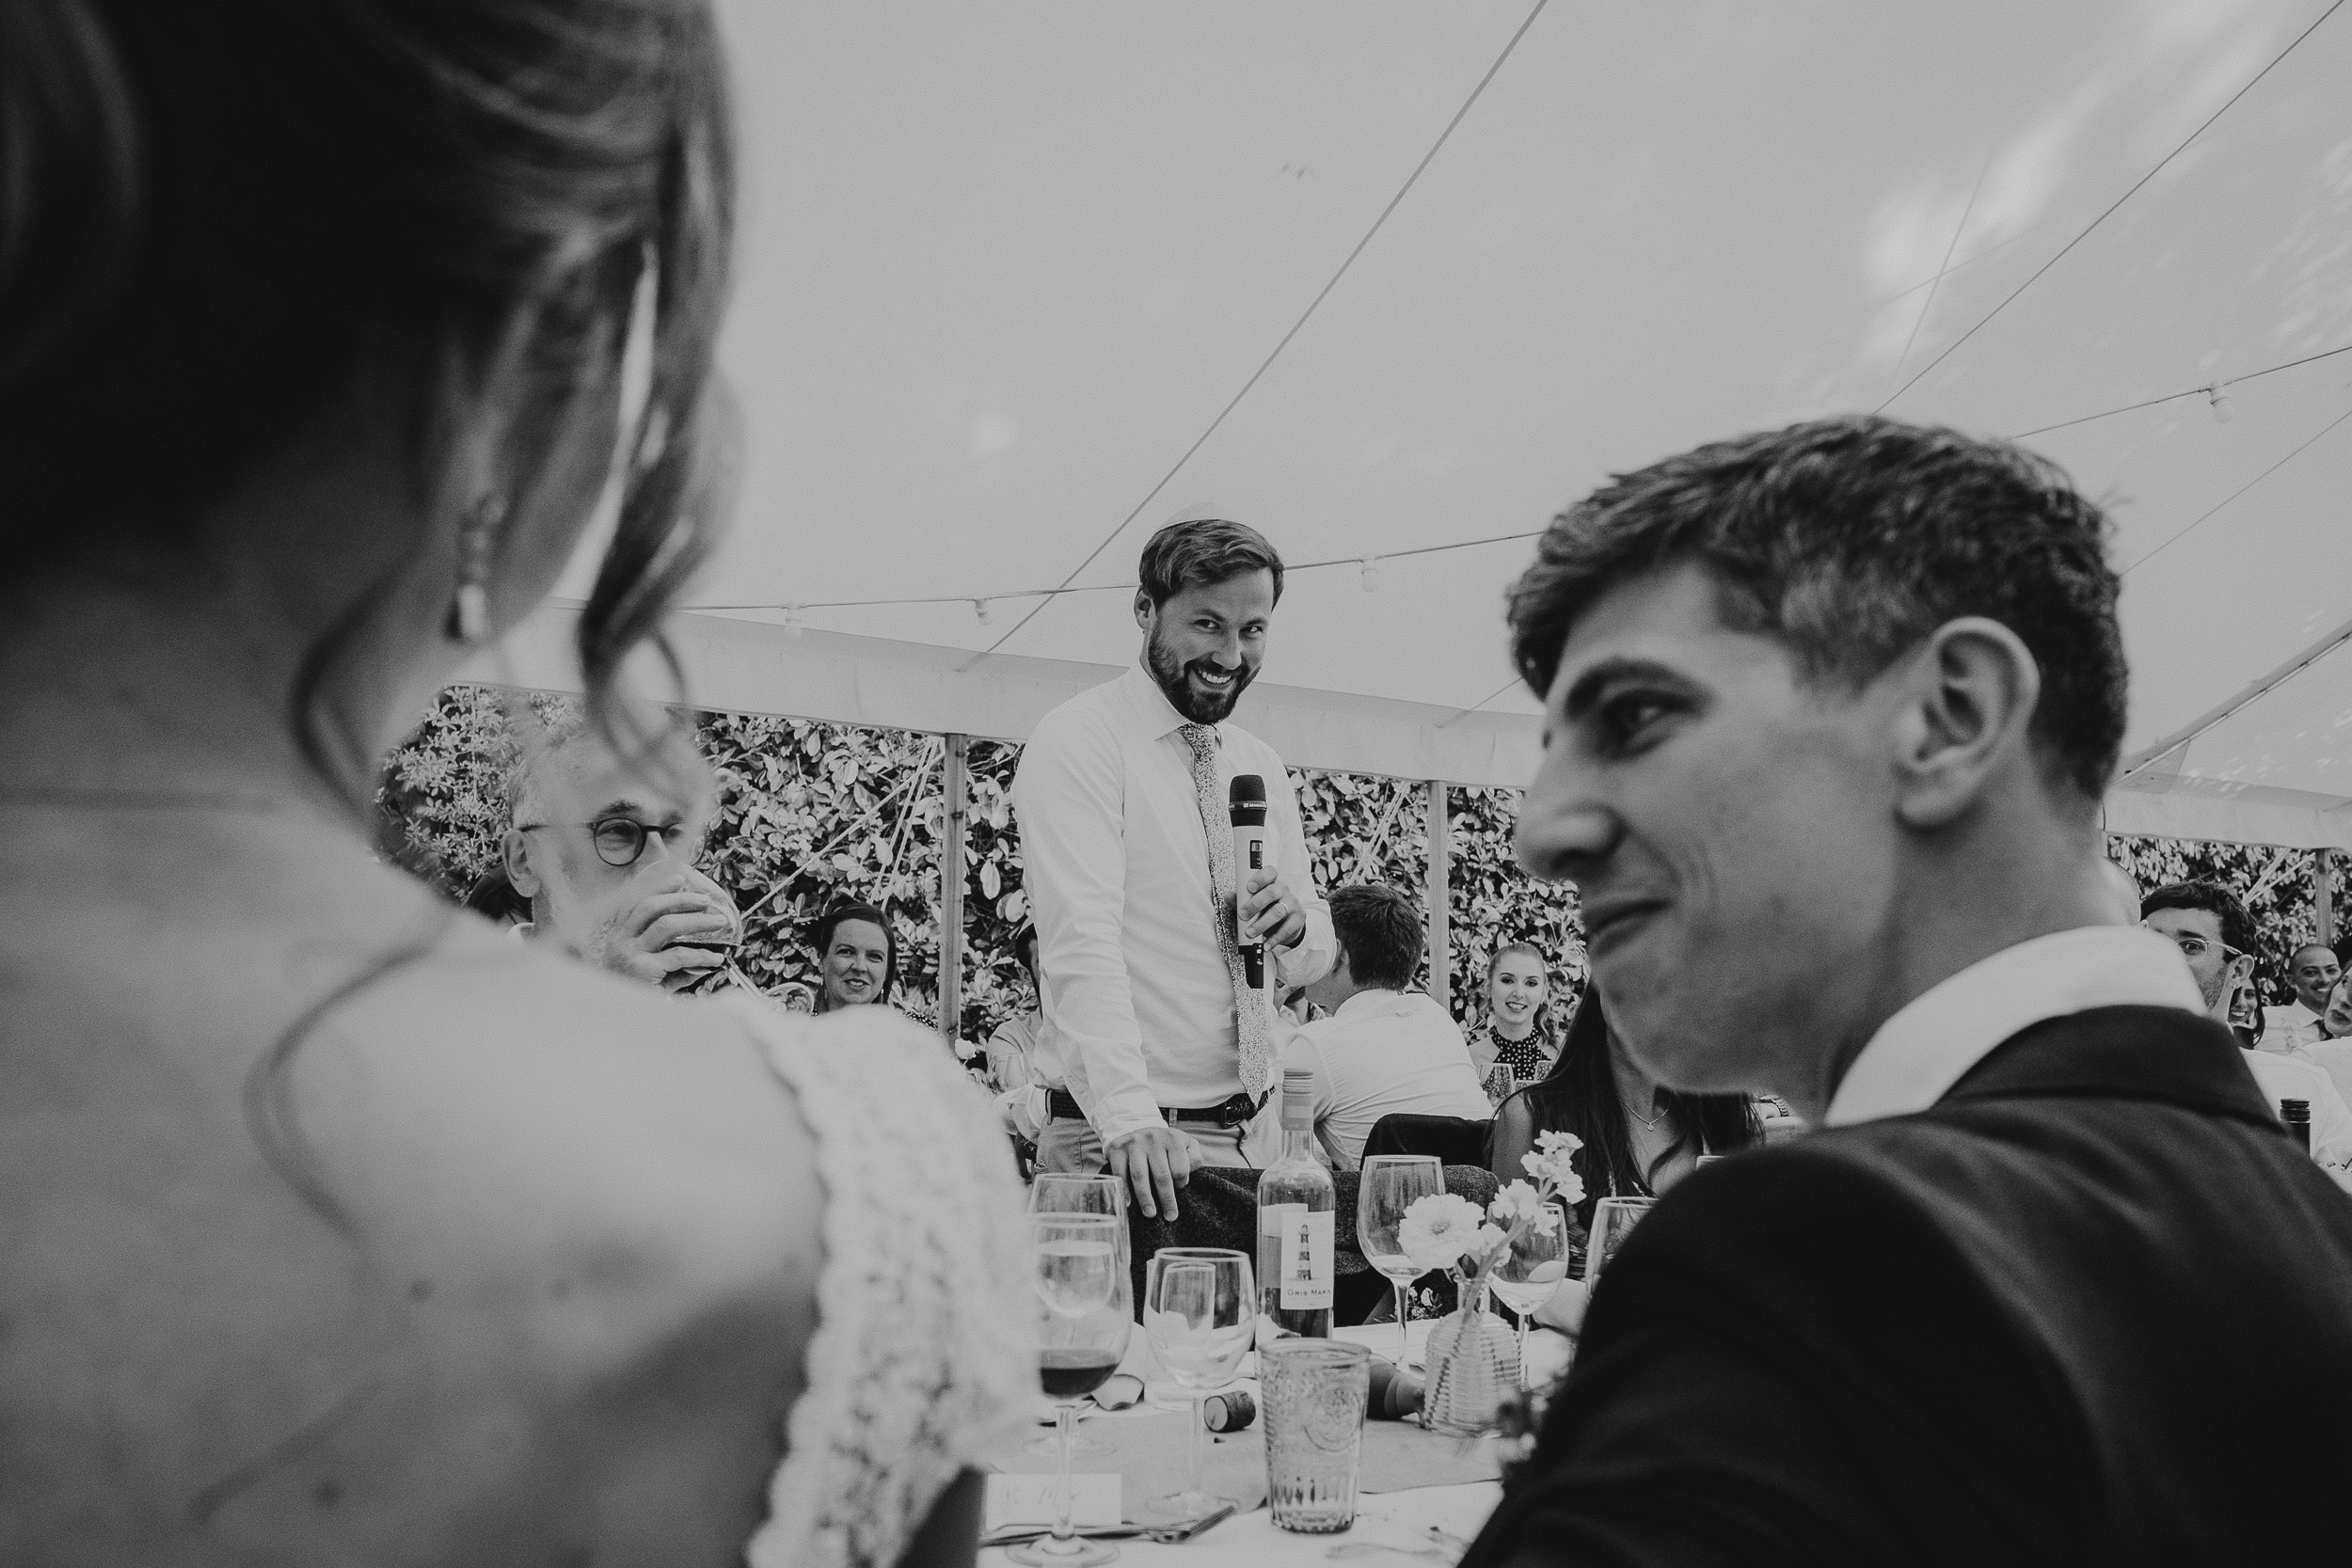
(1368, 566)
(2137, 185)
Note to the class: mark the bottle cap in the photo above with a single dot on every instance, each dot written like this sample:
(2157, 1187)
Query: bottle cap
(2296, 1109)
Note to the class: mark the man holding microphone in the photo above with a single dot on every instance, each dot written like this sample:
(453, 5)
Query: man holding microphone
(1158, 1047)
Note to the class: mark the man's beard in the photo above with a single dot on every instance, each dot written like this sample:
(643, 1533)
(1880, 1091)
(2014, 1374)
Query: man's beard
(1208, 708)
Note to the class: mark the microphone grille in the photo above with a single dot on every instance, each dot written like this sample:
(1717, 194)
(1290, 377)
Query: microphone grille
(1247, 788)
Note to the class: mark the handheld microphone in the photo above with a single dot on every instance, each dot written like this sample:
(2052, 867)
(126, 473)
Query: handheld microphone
(1246, 798)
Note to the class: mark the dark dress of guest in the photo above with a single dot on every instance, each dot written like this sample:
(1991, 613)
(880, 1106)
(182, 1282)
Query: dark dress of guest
(857, 957)
(1626, 1152)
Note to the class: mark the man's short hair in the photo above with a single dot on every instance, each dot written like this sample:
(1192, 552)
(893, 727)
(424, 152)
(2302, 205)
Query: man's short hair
(2237, 927)
(1848, 541)
(673, 762)
(1204, 551)
(1380, 930)
(2297, 957)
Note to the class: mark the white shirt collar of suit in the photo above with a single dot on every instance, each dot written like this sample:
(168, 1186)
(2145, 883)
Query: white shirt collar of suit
(1152, 711)
(1929, 1045)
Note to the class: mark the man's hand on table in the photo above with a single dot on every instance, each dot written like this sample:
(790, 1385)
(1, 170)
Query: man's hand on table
(1155, 1161)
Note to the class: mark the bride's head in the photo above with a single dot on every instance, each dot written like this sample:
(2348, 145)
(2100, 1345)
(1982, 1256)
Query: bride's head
(322, 309)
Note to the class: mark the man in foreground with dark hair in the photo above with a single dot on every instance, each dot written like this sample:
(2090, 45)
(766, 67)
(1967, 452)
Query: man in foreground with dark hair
(1829, 715)
(1156, 1051)
(1381, 1049)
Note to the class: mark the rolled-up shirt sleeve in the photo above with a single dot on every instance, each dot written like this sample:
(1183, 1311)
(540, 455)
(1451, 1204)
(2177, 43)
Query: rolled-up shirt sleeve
(1314, 954)
(1067, 797)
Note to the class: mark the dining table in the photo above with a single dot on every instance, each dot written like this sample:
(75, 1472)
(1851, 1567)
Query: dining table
(1401, 1524)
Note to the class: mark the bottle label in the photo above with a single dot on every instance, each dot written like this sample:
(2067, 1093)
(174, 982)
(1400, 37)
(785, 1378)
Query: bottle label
(1307, 1260)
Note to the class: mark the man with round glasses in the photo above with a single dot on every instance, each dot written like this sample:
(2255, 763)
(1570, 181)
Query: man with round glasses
(604, 851)
(2208, 923)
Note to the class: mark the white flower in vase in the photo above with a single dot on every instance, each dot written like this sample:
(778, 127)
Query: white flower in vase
(1438, 1229)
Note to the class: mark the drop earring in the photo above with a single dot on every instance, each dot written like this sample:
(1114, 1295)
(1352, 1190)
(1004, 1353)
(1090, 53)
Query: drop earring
(470, 607)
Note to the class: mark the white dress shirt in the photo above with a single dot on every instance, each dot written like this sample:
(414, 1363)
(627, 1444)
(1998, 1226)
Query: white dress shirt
(1138, 1005)
(1384, 1051)
(2333, 1058)
(2284, 1028)
(2297, 1077)
(1931, 1042)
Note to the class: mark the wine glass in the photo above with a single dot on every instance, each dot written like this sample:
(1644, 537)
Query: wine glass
(1611, 1219)
(1384, 1188)
(1201, 1308)
(1056, 1193)
(1076, 1258)
(1529, 1276)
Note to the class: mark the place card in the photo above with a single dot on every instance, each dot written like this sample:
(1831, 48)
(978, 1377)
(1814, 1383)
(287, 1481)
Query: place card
(1034, 1499)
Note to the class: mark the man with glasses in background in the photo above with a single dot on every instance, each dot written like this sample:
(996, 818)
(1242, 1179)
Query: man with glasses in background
(2209, 925)
(604, 851)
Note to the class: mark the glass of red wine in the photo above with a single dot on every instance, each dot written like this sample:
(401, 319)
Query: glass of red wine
(1079, 1265)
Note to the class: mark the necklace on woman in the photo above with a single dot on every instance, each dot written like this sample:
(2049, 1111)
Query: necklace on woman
(1650, 1122)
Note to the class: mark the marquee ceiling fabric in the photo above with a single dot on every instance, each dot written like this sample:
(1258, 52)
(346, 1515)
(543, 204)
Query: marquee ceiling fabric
(1002, 266)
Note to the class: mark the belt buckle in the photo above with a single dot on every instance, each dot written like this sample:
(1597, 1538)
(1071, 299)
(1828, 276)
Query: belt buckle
(1236, 1112)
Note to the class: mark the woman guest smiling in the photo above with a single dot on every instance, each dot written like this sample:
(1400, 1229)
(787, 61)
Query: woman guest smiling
(857, 957)
(1519, 1042)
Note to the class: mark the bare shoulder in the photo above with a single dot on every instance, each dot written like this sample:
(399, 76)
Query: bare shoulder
(513, 1120)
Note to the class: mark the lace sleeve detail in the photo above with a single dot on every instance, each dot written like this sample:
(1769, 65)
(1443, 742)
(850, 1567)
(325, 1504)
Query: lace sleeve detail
(922, 1354)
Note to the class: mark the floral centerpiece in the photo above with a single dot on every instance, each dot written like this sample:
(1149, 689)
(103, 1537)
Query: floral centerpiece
(1473, 1359)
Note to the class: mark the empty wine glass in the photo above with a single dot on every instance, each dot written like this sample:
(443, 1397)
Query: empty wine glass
(1529, 1276)
(1384, 1188)
(1080, 1341)
(1201, 1308)
(1611, 1219)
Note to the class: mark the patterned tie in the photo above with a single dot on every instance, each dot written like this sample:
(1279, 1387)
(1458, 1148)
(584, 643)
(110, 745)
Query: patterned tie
(1249, 1004)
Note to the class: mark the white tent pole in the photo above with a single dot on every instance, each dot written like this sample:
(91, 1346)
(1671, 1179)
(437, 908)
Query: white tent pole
(1441, 852)
(2140, 759)
(2324, 893)
(951, 897)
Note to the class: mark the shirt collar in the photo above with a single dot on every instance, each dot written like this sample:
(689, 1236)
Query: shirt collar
(1151, 706)
(1931, 1042)
(1371, 997)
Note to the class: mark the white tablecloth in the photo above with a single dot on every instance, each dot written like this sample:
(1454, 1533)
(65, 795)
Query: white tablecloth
(1401, 1519)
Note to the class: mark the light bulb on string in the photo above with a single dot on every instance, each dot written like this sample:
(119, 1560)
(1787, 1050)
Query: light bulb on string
(792, 620)
(2223, 410)
(983, 612)
(1369, 574)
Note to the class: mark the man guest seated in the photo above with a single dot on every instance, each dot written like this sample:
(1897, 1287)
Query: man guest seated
(1829, 715)
(1380, 1049)
(2210, 926)
(603, 850)
(1158, 1052)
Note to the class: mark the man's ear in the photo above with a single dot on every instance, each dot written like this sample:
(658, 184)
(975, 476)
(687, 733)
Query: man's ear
(1968, 701)
(519, 871)
(1144, 610)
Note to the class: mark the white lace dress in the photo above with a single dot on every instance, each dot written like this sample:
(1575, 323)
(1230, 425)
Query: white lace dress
(924, 1354)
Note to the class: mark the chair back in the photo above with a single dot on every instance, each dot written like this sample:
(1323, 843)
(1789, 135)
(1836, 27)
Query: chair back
(1454, 1140)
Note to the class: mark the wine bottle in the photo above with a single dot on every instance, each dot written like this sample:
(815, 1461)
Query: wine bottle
(2297, 1113)
(1296, 1202)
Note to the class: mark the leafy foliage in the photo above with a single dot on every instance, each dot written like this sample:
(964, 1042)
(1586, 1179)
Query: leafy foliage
(811, 813)
(2279, 886)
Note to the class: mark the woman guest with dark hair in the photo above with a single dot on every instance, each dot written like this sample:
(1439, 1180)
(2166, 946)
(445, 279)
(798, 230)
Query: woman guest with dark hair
(857, 957)
(1519, 1042)
(1640, 1137)
(342, 1227)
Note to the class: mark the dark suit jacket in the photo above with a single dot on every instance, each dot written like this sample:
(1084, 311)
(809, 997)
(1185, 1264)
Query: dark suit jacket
(2091, 1308)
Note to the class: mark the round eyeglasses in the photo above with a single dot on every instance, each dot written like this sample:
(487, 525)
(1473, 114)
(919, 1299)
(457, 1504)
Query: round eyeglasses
(619, 840)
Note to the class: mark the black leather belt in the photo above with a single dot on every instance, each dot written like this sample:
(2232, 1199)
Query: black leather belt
(1239, 1111)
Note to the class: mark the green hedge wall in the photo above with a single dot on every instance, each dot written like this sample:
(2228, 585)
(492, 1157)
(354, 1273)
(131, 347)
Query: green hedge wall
(812, 812)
